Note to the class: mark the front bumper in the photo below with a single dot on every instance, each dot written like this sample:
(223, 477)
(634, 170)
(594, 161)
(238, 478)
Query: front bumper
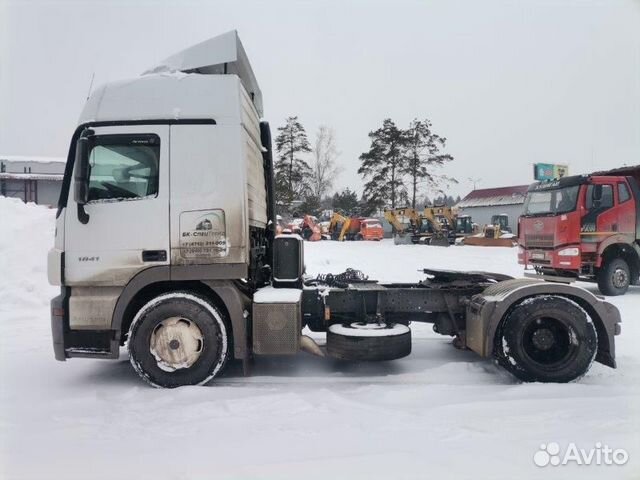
(59, 306)
(544, 258)
(69, 343)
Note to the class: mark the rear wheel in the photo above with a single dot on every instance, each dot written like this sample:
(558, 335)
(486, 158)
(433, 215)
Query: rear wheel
(359, 341)
(547, 339)
(614, 277)
(177, 339)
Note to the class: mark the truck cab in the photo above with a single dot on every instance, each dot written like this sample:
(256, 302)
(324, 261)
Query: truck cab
(583, 227)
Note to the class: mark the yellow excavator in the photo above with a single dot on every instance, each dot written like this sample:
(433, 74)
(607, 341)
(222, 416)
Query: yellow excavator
(413, 227)
(404, 221)
(338, 226)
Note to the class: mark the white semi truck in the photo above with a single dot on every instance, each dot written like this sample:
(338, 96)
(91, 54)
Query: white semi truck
(165, 242)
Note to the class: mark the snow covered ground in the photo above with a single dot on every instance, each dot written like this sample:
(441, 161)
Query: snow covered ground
(439, 413)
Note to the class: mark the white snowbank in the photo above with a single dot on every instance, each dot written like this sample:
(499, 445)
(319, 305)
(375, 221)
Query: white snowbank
(438, 413)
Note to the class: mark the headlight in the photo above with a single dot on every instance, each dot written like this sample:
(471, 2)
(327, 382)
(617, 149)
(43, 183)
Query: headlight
(569, 252)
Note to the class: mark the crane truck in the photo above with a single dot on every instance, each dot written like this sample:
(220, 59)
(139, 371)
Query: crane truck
(165, 243)
(584, 227)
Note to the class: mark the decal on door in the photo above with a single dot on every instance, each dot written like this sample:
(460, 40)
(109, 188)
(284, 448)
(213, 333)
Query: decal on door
(203, 235)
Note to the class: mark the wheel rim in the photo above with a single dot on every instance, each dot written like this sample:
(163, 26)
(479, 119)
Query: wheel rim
(369, 326)
(619, 278)
(176, 343)
(549, 342)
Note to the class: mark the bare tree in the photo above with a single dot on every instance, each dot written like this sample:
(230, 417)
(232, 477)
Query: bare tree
(324, 168)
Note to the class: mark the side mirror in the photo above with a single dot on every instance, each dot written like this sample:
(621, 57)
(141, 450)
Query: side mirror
(597, 193)
(81, 176)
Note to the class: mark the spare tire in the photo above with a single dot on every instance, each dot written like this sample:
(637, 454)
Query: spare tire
(359, 341)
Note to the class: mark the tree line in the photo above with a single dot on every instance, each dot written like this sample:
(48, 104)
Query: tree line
(400, 165)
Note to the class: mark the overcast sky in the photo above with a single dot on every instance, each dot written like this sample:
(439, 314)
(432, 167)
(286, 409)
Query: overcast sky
(508, 83)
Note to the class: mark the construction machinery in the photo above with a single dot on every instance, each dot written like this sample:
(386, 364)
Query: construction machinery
(355, 228)
(338, 226)
(413, 227)
(465, 226)
(496, 234)
(310, 230)
(442, 221)
(371, 229)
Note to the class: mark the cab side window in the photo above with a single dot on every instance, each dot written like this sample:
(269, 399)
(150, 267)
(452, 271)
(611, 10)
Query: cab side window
(623, 193)
(124, 167)
(599, 197)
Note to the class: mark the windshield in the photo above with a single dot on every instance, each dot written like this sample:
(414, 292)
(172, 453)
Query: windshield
(551, 202)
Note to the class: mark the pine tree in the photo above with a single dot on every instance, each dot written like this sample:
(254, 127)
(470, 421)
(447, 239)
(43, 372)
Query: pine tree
(345, 202)
(423, 155)
(311, 206)
(383, 166)
(292, 173)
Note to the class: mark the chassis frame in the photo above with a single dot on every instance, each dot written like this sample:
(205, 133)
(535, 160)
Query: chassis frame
(467, 305)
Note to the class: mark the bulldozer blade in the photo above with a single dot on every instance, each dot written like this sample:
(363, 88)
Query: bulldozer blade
(402, 239)
(490, 242)
(439, 241)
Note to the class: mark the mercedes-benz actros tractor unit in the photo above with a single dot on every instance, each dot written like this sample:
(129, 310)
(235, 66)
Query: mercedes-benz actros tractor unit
(165, 243)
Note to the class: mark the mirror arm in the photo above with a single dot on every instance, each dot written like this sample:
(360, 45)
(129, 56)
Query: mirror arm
(83, 216)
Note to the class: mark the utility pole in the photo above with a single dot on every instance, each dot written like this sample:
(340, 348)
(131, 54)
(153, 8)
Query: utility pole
(475, 182)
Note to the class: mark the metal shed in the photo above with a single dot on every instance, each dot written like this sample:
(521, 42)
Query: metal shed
(31, 179)
(483, 203)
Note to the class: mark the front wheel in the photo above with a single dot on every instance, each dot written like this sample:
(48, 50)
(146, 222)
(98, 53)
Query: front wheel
(547, 339)
(614, 277)
(177, 339)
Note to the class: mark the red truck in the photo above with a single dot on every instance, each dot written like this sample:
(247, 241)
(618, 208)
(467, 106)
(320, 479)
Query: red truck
(584, 227)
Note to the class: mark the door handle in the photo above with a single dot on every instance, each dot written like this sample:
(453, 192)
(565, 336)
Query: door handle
(154, 255)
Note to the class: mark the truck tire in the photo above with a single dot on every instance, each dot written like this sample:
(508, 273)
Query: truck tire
(614, 277)
(547, 339)
(177, 339)
(360, 341)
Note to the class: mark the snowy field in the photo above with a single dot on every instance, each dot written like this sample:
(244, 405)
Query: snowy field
(439, 413)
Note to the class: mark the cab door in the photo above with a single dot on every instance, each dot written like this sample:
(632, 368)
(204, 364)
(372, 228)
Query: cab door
(128, 207)
(601, 216)
(626, 208)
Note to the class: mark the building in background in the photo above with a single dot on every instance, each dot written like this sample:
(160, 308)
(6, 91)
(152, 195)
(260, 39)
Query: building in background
(31, 179)
(483, 203)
